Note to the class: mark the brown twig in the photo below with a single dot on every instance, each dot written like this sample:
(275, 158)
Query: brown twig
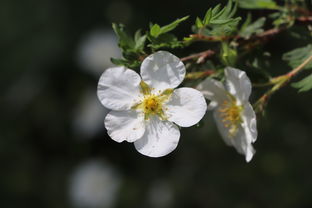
(270, 32)
(198, 75)
(199, 56)
(304, 19)
(279, 82)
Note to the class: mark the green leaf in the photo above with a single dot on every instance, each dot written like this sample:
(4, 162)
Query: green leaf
(282, 18)
(228, 54)
(298, 56)
(247, 22)
(258, 4)
(224, 29)
(132, 64)
(166, 40)
(173, 25)
(132, 48)
(228, 10)
(304, 85)
(125, 41)
(207, 17)
(139, 41)
(248, 29)
(219, 21)
(155, 30)
(216, 10)
(199, 23)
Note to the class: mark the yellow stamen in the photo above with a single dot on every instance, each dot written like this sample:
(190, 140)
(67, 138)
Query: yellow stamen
(230, 113)
(152, 104)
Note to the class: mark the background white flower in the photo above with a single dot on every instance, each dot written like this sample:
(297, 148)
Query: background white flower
(87, 116)
(235, 117)
(144, 111)
(96, 50)
(94, 184)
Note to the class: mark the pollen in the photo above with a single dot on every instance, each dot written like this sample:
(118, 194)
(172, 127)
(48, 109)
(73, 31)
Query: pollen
(152, 104)
(230, 113)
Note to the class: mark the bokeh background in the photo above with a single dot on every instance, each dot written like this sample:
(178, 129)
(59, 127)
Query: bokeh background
(55, 152)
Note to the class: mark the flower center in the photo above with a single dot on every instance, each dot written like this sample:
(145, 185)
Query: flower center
(152, 104)
(230, 113)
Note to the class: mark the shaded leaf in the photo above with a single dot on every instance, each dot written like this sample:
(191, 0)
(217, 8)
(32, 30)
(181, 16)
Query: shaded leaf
(249, 29)
(165, 41)
(298, 56)
(125, 41)
(304, 85)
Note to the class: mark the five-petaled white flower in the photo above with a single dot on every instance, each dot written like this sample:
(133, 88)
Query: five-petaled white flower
(143, 111)
(235, 117)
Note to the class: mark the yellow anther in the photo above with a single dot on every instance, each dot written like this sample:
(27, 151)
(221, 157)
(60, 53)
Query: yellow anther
(152, 104)
(230, 113)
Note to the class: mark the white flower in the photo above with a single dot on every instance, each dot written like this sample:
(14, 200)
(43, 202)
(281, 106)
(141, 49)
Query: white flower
(96, 49)
(143, 110)
(235, 117)
(94, 184)
(88, 116)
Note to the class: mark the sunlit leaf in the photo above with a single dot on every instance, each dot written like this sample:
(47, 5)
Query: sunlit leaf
(257, 4)
(156, 30)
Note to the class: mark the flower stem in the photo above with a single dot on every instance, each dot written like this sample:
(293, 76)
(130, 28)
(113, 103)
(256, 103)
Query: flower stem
(198, 75)
(299, 68)
(278, 83)
(199, 56)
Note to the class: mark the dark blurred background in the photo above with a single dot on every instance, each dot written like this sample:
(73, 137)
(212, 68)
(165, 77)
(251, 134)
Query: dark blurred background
(55, 152)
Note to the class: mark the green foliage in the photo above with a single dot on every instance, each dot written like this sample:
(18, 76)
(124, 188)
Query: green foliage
(258, 4)
(167, 40)
(160, 38)
(282, 18)
(228, 54)
(132, 48)
(304, 85)
(298, 56)
(139, 41)
(248, 28)
(218, 21)
(125, 41)
(156, 30)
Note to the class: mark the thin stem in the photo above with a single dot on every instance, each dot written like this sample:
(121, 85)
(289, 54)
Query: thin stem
(199, 56)
(299, 68)
(279, 82)
(198, 75)
(262, 84)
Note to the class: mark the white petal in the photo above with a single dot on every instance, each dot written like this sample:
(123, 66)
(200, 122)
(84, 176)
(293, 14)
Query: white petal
(162, 70)
(241, 141)
(125, 125)
(242, 144)
(160, 138)
(224, 131)
(249, 123)
(237, 83)
(118, 88)
(212, 90)
(186, 107)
